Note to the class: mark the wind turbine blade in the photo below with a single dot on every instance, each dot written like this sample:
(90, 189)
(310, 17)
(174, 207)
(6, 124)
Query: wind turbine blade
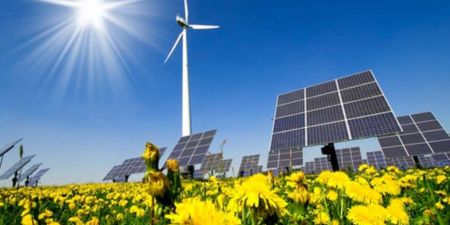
(174, 46)
(203, 27)
(186, 11)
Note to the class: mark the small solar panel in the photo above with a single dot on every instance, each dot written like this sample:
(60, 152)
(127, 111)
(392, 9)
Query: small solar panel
(309, 168)
(292, 158)
(376, 159)
(112, 173)
(224, 166)
(35, 179)
(349, 108)
(349, 158)
(422, 135)
(249, 164)
(321, 164)
(29, 171)
(426, 161)
(190, 150)
(7, 147)
(211, 162)
(19, 165)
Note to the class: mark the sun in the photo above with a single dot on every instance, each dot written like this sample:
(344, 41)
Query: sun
(91, 13)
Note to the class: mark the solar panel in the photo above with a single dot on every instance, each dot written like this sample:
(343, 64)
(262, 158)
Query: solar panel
(405, 162)
(249, 164)
(441, 159)
(190, 150)
(199, 174)
(6, 148)
(309, 168)
(426, 161)
(349, 158)
(321, 164)
(19, 165)
(422, 135)
(29, 171)
(224, 166)
(211, 162)
(292, 158)
(35, 179)
(376, 159)
(112, 173)
(352, 107)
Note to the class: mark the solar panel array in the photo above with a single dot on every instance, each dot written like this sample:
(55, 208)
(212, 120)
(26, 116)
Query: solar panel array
(309, 168)
(191, 150)
(35, 179)
(19, 165)
(349, 158)
(422, 134)
(7, 147)
(211, 162)
(349, 108)
(321, 164)
(405, 162)
(292, 158)
(129, 167)
(224, 166)
(376, 159)
(249, 164)
(29, 171)
(113, 173)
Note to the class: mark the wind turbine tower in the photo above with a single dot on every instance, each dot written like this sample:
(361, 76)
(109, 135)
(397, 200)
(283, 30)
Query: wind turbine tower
(185, 26)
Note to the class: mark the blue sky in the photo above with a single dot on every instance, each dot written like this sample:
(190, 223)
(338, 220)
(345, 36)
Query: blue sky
(81, 124)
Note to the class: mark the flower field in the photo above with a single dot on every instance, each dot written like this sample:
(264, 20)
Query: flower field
(369, 196)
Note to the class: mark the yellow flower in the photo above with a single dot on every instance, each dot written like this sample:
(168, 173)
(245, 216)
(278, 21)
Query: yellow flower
(172, 165)
(119, 217)
(296, 179)
(53, 223)
(151, 152)
(256, 195)
(440, 179)
(193, 211)
(157, 184)
(338, 180)
(386, 185)
(438, 205)
(364, 215)
(28, 220)
(322, 218)
(396, 212)
(93, 221)
(360, 193)
(332, 195)
(138, 211)
(299, 195)
(46, 214)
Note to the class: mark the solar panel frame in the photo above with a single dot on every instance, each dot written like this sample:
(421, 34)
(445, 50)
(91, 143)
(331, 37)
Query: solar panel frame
(191, 150)
(422, 135)
(333, 111)
(6, 148)
(16, 167)
(29, 171)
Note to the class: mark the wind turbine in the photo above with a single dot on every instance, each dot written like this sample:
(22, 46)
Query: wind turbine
(184, 24)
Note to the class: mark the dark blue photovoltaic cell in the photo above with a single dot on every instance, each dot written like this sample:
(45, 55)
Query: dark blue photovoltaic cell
(418, 149)
(288, 139)
(321, 89)
(327, 133)
(292, 96)
(409, 128)
(419, 117)
(322, 101)
(197, 159)
(436, 135)
(366, 107)
(205, 141)
(291, 108)
(405, 120)
(210, 133)
(360, 92)
(286, 157)
(441, 146)
(389, 141)
(430, 125)
(326, 115)
(412, 138)
(373, 125)
(201, 150)
(192, 144)
(184, 139)
(289, 123)
(393, 152)
(196, 136)
(354, 80)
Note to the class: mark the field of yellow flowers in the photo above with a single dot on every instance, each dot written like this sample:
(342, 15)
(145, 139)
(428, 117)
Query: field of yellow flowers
(369, 196)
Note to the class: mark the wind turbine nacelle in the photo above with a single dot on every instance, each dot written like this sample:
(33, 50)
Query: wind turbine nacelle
(182, 22)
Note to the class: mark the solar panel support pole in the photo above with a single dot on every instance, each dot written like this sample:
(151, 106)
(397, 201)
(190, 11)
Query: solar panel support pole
(330, 151)
(1, 161)
(417, 162)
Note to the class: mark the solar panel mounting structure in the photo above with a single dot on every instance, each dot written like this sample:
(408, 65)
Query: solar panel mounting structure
(376, 159)
(16, 167)
(7, 148)
(349, 108)
(285, 159)
(422, 135)
(29, 171)
(190, 150)
(249, 165)
(35, 179)
(349, 158)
